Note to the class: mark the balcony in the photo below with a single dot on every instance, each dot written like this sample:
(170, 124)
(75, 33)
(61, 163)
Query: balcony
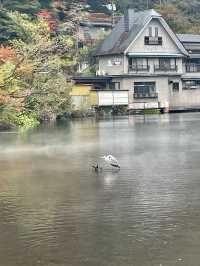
(138, 68)
(192, 68)
(152, 40)
(167, 68)
(145, 95)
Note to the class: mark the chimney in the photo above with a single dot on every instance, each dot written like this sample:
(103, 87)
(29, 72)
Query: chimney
(128, 19)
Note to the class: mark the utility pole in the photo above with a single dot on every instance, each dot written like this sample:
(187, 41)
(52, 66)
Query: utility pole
(112, 7)
(112, 14)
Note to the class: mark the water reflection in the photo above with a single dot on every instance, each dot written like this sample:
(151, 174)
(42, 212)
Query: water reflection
(56, 211)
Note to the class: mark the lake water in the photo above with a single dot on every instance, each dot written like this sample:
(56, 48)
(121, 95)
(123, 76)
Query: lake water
(56, 211)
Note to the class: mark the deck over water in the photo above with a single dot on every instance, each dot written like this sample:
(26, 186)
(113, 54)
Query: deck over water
(56, 211)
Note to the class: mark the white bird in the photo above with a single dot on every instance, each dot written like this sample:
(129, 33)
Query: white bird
(111, 160)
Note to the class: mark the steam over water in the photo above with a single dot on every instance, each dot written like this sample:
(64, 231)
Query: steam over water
(56, 211)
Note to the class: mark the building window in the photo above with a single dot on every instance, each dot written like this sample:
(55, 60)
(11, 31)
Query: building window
(138, 64)
(150, 32)
(166, 64)
(145, 90)
(152, 40)
(80, 45)
(115, 86)
(191, 84)
(175, 86)
(115, 61)
(156, 32)
(109, 62)
(193, 65)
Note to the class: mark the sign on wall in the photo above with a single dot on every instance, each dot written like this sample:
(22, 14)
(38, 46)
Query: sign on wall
(143, 105)
(109, 98)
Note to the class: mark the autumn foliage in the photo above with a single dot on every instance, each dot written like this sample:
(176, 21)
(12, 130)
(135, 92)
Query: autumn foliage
(6, 54)
(49, 17)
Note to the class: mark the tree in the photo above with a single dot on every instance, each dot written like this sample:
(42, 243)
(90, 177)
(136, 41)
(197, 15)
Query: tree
(46, 64)
(23, 6)
(49, 18)
(35, 73)
(45, 4)
(8, 29)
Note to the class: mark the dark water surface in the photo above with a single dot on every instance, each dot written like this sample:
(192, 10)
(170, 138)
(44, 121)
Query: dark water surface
(55, 211)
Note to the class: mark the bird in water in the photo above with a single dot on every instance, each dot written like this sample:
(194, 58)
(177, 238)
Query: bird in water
(97, 168)
(111, 160)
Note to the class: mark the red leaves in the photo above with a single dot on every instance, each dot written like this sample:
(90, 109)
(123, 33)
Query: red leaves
(48, 16)
(44, 14)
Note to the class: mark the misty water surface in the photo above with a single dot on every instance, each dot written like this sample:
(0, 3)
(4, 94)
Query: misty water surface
(56, 211)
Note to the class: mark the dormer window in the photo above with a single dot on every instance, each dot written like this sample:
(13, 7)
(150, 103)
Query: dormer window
(153, 39)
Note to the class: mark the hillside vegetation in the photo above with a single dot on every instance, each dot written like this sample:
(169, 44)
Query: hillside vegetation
(182, 15)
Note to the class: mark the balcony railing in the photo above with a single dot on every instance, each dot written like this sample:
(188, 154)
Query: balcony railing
(170, 68)
(152, 40)
(192, 68)
(144, 95)
(138, 68)
(188, 87)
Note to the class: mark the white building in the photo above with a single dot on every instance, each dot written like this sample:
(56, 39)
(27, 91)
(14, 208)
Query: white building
(159, 68)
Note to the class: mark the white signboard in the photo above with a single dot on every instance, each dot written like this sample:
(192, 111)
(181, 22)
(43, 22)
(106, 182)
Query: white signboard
(136, 106)
(109, 98)
(120, 98)
(105, 98)
(149, 105)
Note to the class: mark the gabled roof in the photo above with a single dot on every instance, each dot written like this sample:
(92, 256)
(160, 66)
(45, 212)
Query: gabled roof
(119, 39)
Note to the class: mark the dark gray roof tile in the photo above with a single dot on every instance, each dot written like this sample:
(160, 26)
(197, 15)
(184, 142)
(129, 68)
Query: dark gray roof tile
(119, 40)
(189, 38)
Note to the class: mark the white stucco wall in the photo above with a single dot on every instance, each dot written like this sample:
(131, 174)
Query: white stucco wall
(106, 66)
(185, 99)
(162, 88)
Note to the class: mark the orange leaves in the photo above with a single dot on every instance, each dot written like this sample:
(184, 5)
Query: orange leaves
(25, 70)
(44, 14)
(6, 54)
(3, 97)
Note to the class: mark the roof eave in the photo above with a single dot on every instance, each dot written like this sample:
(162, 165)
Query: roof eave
(108, 53)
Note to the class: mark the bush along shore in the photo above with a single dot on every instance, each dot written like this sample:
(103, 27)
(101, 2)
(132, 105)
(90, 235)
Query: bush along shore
(29, 122)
